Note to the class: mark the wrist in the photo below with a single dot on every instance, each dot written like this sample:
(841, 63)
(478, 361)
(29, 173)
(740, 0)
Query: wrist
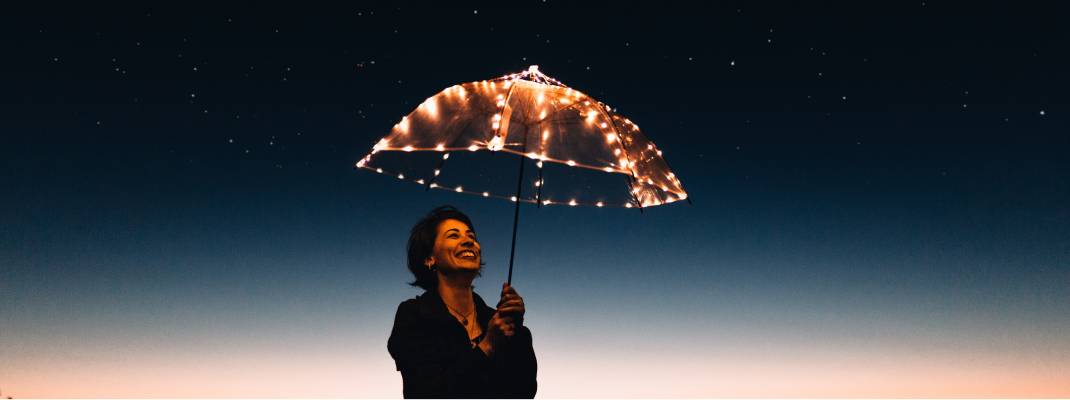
(486, 347)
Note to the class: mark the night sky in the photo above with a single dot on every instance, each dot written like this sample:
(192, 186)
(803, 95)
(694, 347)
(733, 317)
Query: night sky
(879, 198)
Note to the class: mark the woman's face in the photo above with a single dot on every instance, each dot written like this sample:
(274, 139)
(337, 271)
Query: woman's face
(456, 247)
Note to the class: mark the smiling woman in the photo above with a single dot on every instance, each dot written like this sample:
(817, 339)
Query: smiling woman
(447, 342)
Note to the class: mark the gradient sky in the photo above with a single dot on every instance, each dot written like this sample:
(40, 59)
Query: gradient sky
(880, 198)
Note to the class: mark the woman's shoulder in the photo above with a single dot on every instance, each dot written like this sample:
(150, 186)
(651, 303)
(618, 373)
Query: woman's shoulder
(414, 305)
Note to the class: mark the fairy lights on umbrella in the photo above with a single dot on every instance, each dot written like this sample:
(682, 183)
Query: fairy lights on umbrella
(534, 116)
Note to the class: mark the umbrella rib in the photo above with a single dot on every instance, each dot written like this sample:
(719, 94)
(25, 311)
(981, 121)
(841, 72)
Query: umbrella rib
(624, 151)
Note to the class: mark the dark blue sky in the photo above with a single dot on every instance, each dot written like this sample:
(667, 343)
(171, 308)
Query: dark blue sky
(869, 182)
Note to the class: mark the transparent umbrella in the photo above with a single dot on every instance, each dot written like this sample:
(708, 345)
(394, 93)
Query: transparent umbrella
(455, 140)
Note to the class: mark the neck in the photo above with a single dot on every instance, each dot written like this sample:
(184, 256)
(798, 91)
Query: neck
(456, 291)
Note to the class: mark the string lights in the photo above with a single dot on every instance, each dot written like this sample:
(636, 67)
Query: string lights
(498, 115)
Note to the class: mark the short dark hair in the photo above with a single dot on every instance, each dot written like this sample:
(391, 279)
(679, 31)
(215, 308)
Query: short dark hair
(422, 243)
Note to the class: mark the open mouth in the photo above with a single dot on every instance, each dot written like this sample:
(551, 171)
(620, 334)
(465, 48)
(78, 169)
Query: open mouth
(467, 254)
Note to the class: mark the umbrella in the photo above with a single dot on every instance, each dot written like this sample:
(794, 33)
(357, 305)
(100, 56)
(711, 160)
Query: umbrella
(536, 117)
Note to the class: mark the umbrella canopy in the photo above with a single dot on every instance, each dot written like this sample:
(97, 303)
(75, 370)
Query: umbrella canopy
(535, 116)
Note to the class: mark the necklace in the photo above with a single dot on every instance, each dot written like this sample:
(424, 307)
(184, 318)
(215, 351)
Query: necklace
(464, 317)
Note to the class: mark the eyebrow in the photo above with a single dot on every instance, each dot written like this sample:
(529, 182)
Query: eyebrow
(458, 230)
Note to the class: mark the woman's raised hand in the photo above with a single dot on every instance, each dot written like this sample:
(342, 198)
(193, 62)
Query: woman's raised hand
(504, 322)
(511, 304)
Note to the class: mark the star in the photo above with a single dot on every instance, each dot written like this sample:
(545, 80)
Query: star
(1042, 112)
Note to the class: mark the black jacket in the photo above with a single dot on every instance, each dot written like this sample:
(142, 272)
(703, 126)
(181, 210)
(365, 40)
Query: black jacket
(436, 358)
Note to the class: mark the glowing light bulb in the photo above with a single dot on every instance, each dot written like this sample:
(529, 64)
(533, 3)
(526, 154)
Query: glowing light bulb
(495, 143)
(607, 169)
(379, 170)
(513, 198)
(616, 152)
(542, 114)
(420, 181)
(440, 147)
(598, 204)
(431, 107)
(459, 189)
(545, 134)
(473, 148)
(628, 205)
(546, 202)
(486, 194)
(401, 176)
(539, 164)
(434, 185)
(446, 156)
(407, 148)
(381, 144)
(572, 202)
(533, 156)
(437, 172)
(604, 125)
(571, 163)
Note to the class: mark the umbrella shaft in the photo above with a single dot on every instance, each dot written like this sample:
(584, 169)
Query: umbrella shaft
(516, 218)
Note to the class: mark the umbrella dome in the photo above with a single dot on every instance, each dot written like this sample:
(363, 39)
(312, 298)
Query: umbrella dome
(535, 116)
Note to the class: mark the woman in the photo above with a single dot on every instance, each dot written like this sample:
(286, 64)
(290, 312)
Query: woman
(447, 342)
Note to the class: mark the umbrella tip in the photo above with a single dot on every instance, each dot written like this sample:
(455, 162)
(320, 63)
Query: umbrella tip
(533, 68)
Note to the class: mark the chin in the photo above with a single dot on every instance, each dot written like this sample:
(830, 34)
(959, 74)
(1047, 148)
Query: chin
(469, 267)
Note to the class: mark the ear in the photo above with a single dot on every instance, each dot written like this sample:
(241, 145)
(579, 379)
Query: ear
(429, 261)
